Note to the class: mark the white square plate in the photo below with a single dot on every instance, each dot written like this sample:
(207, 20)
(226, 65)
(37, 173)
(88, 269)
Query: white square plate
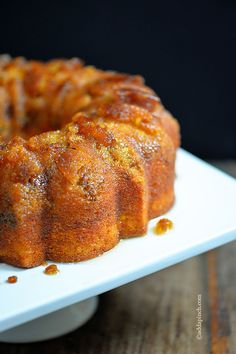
(204, 217)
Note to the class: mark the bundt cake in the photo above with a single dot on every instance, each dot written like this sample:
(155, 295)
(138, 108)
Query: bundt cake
(86, 157)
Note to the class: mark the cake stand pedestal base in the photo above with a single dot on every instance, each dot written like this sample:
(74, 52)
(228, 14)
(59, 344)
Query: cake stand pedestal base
(52, 325)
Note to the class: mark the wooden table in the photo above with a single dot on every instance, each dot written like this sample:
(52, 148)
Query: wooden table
(158, 314)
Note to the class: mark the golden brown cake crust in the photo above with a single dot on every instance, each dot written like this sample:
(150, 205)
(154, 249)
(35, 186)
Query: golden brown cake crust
(86, 157)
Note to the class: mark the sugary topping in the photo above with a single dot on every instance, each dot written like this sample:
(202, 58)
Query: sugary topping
(36, 97)
(90, 130)
(129, 113)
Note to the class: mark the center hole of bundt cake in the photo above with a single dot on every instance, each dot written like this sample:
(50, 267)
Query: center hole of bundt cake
(41, 123)
(31, 125)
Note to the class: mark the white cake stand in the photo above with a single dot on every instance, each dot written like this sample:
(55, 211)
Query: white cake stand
(52, 325)
(204, 217)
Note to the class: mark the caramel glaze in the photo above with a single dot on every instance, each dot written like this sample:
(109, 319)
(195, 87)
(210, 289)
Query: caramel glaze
(51, 269)
(86, 157)
(163, 226)
(12, 279)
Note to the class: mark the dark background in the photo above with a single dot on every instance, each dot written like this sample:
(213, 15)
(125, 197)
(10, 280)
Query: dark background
(184, 49)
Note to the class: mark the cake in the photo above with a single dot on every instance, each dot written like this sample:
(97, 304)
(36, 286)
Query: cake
(87, 157)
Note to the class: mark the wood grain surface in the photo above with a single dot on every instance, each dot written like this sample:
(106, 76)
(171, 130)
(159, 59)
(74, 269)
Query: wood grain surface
(158, 314)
